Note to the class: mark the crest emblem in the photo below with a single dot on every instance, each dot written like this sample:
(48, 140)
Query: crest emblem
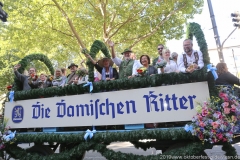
(17, 114)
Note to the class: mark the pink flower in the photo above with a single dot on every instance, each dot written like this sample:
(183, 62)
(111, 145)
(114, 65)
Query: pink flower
(225, 104)
(223, 96)
(215, 125)
(201, 124)
(204, 112)
(200, 117)
(226, 110)
(213, 131)
(218, 114)
(219, 136)
(233, 109)
(159, 60)
(224, 139)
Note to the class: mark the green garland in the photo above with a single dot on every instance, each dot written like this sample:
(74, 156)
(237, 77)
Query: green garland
(190, 149)
(95, 48)
(108, 137)
(194, 29)
(25, 62)
(96, 143)
(231, 152)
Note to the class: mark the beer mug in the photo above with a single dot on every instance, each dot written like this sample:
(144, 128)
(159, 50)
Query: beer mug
(191, 66)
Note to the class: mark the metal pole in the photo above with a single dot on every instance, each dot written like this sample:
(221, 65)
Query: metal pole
(215, 31)
(228, 36)
(235, 62)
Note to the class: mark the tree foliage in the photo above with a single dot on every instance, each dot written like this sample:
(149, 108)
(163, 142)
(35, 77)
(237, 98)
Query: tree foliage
(39, 26)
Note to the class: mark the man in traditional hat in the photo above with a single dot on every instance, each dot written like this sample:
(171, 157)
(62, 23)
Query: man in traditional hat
(104, 66)
(72, 76)
(127, 67)
(160, 49)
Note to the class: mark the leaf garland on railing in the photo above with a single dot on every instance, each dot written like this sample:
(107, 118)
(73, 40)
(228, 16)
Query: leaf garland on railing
(96, 143)
(25, 62)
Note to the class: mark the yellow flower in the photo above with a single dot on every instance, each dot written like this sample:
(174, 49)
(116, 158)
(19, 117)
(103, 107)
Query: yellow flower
(199, 109)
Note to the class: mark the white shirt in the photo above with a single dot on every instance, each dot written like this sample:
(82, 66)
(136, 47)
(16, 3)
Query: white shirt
(136, 64)
(83, 80)
(160, 58)
(190, 60)
(171, 66)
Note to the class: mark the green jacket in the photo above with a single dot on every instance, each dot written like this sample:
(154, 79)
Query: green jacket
(154, 62)
(125, 68)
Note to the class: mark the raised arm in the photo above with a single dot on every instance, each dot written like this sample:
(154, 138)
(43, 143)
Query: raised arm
(111, 44)
(19, 76)
(90, 58)
(115, 59)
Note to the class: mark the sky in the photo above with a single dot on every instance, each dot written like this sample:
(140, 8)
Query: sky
(222, 10)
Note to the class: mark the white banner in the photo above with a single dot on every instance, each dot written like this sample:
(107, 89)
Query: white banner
(146, 105)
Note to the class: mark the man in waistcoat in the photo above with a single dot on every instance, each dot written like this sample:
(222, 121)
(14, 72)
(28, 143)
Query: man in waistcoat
(190, 60)
(128, 66)
(73, 75)
(160, 49)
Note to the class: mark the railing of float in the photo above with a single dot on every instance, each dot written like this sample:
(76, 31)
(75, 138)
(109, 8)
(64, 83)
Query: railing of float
(166, 136)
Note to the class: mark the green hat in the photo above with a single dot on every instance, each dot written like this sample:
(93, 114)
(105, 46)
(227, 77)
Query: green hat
(72, 64)
(126, 50)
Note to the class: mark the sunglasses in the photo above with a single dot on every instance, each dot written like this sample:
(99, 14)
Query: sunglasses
(160, 48)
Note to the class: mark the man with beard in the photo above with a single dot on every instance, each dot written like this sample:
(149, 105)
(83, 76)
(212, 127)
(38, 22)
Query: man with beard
(160, 57)
(190, 60)
(128, 66)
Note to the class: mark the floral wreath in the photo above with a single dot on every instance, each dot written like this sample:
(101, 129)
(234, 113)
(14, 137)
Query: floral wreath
(217, 119)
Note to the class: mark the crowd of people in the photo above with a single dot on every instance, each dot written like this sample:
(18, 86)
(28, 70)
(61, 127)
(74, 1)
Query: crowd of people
(166, 62)
(187, 62)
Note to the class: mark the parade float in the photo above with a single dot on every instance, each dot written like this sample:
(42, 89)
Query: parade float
(190, 112)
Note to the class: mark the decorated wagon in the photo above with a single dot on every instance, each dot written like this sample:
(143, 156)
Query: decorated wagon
(79, 118)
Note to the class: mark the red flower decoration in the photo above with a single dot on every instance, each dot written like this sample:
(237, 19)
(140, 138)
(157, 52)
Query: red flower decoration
(9, 87)
(34, 77)
(140, 71)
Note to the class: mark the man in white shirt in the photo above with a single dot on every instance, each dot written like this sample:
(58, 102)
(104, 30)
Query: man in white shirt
(190, 60)
(127, 67)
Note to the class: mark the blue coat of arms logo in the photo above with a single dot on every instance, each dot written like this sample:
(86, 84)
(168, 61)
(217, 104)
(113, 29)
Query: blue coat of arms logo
(17, 114)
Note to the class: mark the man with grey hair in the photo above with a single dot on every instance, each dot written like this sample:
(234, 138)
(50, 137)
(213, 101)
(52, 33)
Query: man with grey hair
(190, 60)
(128, 66)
